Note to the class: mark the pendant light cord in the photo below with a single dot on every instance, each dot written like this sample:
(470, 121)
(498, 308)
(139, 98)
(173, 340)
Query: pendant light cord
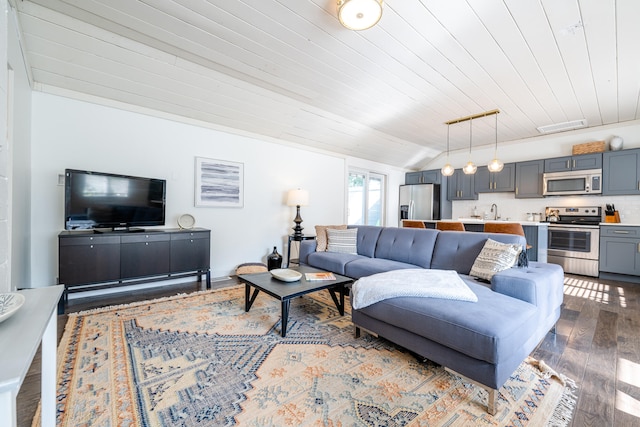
(495, 152)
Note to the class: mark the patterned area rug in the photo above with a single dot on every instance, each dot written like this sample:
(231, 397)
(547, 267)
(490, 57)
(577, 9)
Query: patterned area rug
(200, 360)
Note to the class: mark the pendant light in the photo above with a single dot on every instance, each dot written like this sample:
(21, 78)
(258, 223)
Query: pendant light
(447, 170)
(470, 168)
(495, 165)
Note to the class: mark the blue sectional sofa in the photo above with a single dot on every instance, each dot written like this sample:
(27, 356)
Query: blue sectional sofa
(484, 341)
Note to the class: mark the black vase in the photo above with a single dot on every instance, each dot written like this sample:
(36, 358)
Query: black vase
(274, 260)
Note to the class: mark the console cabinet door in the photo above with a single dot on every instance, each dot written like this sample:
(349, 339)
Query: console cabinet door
(621, 172)
(190, 251)
(88, 259)
(145, 255)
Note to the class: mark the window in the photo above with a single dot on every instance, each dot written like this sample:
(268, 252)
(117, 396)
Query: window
(366, 198)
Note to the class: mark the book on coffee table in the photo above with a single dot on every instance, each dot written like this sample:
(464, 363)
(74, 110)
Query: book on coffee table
(323, 275)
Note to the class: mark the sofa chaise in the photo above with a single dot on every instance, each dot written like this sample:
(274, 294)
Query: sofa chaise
(484, 341)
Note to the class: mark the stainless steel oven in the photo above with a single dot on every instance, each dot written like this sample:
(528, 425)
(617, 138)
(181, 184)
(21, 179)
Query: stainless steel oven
(574, 239)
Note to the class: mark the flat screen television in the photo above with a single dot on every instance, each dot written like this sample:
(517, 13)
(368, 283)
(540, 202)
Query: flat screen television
(94, 200)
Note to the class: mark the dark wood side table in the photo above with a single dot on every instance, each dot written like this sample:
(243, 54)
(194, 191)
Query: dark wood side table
(294, 238)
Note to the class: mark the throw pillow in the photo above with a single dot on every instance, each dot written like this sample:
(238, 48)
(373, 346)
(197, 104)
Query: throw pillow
(321, 235)
(495, 257)
(343, 241)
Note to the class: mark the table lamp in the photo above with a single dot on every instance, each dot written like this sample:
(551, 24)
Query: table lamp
(297, 198)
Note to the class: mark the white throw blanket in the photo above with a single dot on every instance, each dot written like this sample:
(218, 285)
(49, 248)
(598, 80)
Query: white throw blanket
(419, 282)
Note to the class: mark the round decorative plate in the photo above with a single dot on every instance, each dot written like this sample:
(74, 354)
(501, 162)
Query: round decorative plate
(10, 303)
(286, 275)
(186, 221)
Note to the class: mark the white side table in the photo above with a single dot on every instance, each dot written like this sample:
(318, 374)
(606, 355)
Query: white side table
(20, 336)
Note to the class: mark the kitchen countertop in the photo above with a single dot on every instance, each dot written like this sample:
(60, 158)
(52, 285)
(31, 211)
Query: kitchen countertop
(482, 221)
(625, 224)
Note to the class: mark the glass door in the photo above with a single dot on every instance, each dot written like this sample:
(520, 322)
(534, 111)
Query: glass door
(366, 198)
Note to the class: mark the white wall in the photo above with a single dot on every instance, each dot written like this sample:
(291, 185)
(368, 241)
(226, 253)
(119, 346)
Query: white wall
(5, 241)
(21, 163)
(68, 133)
(548, 146)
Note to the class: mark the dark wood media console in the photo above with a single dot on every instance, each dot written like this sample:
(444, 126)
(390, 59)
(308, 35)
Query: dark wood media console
(90, 261)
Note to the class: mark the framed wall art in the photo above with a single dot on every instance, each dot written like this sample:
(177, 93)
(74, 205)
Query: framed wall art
(219, 183)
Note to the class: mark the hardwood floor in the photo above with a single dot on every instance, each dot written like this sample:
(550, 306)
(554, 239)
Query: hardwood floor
(597, 344)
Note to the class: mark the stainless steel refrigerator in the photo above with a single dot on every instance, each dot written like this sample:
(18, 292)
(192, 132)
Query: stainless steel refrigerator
(419, 201)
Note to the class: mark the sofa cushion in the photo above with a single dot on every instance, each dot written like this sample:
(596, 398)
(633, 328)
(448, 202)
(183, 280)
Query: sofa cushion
(342, 241)
(495, 257)
(364, 266)
(331, 261)
(458, 250)
(321, 235)
(491, 329)
(407, 245)
(367, 239)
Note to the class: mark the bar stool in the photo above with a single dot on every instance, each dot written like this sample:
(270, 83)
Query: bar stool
(409, 223)
(450, 226)
(505, 228)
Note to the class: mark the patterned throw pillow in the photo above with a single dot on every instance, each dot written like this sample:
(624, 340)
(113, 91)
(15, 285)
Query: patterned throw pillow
(321, 235)
(343, 241)
(495, 257)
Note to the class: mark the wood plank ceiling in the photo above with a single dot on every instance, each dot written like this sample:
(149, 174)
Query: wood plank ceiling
(287, 69)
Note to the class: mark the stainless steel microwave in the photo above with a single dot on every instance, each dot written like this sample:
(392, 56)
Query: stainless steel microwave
(587, 181)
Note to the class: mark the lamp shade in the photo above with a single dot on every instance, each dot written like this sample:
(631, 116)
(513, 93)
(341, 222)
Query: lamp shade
(298, 198)
(359, 14)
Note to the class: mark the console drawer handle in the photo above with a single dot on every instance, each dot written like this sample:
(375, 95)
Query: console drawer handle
(620, 232)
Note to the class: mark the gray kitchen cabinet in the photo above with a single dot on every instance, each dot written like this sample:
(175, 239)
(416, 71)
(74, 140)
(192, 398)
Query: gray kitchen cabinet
(529, 179)
(492, 182)
(620, 250)
(413, 178)
(432, 176)
(461, 186)
(573, 163)
(621, 172)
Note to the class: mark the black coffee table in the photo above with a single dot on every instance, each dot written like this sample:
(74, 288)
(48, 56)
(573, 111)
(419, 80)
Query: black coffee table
(285, 291)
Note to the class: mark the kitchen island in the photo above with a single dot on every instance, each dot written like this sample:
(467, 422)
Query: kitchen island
(535, 232)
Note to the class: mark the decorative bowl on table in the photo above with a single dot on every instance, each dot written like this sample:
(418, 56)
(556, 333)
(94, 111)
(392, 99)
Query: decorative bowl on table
(286, 275)
(10, 302)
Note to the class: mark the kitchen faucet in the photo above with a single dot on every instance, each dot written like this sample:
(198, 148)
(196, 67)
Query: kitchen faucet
(495, 213)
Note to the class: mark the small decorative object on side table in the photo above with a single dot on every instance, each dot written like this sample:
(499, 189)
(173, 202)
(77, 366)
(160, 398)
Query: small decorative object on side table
(274, 261)
(296, 238)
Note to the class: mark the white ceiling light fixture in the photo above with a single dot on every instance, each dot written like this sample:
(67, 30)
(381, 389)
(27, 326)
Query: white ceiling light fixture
(359, 14)
(561, 127)
(447, 169)
(495, 165)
